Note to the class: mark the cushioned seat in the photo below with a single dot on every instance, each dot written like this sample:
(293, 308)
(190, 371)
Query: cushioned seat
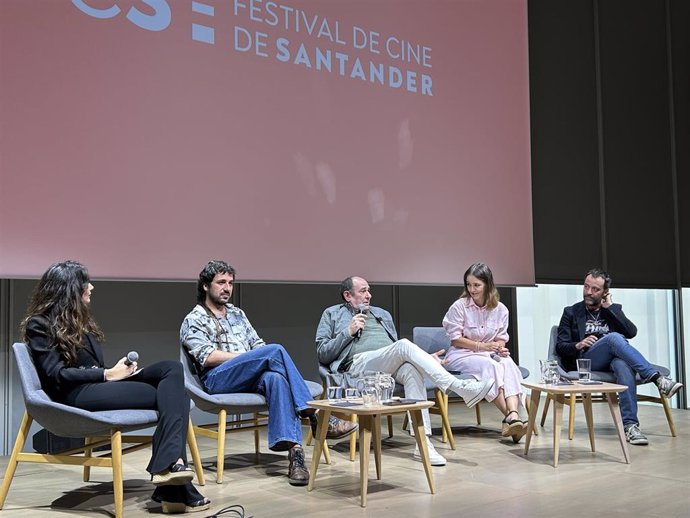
(237, 404)
(97, 428)
(433, 339)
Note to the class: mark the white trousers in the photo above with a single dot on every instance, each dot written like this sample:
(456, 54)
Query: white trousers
(409, 365)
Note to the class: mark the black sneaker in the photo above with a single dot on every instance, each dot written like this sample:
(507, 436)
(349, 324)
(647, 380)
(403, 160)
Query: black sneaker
(667, 386)
(298, 474)
(634, 436)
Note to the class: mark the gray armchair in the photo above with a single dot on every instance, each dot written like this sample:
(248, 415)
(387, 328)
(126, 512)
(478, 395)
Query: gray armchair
(98, 429)
(238, 404)
(433, 339)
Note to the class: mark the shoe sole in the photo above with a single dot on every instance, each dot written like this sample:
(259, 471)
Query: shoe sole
(673, 390)
(437, 463)
(482, 394)
(519, 434)
(298, 482)
(181, 507)
(639, 442)
(510, 429)
(172, 478)
(343, 434)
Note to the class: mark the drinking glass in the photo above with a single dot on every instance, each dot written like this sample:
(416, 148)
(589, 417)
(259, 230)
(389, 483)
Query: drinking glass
(584, 369)
(554, 373)
(336, 387)
(335, 393)
(547, 369)
(386, 384)
(351, 393)
(370, 396)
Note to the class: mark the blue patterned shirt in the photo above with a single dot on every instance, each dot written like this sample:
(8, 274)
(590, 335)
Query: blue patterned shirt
(201, 333)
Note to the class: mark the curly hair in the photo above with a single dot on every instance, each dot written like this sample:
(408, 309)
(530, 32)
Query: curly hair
(58, 298)
(207, 275)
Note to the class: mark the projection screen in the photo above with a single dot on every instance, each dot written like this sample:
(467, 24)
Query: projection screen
(299, 140)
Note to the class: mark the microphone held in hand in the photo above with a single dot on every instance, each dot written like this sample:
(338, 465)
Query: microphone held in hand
(360, 310)
(132, 357)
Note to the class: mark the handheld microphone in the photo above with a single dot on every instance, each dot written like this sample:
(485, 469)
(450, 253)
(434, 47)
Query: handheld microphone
(132, 357)
(360, 310)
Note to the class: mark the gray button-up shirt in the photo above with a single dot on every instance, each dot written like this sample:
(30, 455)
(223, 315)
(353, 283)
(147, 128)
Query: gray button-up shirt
(333, 340)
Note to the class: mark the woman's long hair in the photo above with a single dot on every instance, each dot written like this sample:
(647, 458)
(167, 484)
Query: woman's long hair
(58, 299)
(483, 273)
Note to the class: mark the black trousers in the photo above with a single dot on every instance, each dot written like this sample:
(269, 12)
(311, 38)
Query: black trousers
(160, 387)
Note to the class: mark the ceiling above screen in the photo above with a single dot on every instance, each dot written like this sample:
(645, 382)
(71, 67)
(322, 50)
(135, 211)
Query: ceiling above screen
(299, 140)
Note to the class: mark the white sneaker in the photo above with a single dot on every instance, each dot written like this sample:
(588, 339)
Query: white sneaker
(435, 458)
(472, 391)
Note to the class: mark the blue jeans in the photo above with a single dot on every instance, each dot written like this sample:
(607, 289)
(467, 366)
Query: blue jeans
(268, 371)
(614, 353)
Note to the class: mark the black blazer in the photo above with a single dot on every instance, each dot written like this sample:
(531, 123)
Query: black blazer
(571, 329)
(57, 378)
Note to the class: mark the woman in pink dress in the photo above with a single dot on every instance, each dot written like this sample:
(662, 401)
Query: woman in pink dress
(477, 324)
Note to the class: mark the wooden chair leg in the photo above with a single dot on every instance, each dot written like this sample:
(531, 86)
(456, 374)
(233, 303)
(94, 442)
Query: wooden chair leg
(87, 453)
(667, 411)
(546, 410)
(220, 454)
(353, 440)
(256, 435)
(326, 453)
(478, 411)
(22, 434)
(118, 490)
(196, 457)
(571, 416)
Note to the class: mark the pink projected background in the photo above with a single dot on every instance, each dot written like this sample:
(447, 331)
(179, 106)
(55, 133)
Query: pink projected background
(144, 138)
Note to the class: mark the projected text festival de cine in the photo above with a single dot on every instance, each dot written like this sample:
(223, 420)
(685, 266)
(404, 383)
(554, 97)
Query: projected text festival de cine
(273, 14)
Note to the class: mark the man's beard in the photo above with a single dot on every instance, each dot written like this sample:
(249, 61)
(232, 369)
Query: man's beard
(592, 301)
(217, 300)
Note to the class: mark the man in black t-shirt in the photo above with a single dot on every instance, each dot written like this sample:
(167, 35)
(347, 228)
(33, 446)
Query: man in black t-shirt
(597, 329)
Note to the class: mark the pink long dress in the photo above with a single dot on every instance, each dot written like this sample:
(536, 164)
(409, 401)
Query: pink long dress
(465, 319)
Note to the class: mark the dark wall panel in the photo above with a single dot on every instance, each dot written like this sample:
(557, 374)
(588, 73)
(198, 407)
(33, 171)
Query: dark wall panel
(609, 83)
(680, 50)
(565, 177)
(636, 133)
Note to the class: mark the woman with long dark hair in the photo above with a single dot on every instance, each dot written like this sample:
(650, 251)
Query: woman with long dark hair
(477, 324)
(65, 343)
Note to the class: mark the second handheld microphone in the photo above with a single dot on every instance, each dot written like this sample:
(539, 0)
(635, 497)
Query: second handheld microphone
(360, 310)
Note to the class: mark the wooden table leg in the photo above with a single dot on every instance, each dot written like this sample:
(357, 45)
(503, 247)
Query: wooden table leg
(587, 404)
(546, 409)
(376, 437)
(321, 430)
(366, 424)
(420, 437)
(558, 400)
(612, 399)
(532, 419)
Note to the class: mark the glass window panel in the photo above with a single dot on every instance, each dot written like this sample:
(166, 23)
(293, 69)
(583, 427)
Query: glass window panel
(650, 310)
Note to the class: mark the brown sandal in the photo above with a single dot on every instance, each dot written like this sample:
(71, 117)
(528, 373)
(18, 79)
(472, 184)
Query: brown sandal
(513, 426)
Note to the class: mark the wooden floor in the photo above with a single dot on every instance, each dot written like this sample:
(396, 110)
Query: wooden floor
(486, 476)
